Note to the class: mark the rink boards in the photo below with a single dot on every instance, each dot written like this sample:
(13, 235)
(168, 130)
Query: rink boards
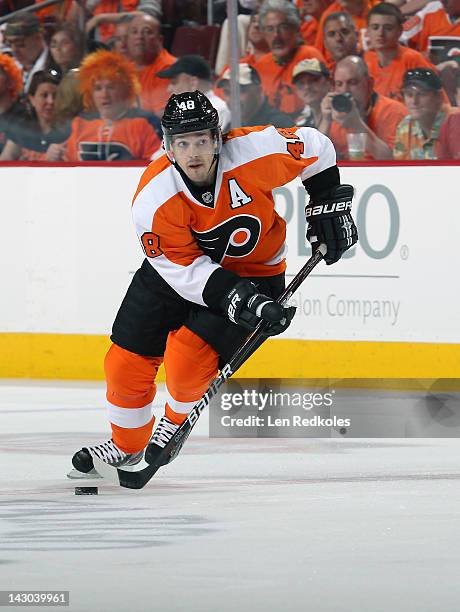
(390, 309)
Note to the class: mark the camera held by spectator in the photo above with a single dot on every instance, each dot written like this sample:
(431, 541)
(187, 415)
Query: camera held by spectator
(361, 123)
(342, 102)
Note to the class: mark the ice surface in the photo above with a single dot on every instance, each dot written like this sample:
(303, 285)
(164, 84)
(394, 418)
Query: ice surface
(284, 525)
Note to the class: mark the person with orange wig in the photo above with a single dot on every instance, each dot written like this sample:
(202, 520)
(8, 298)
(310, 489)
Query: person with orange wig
(11, 109)
(111, 126)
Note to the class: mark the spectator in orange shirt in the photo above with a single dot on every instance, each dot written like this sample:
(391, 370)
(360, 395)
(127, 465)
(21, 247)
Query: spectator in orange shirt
(435, 19)
(340, 38)
(145, 49)
(388, 61)
(359, 110)
(111, 129)
(358, 10)
(310, 12)
(280, 23)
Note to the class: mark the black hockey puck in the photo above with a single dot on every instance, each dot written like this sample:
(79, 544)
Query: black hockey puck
(86, 491)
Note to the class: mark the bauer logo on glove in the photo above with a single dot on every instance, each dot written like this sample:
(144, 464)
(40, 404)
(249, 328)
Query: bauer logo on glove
(324, 209)
(329, 221)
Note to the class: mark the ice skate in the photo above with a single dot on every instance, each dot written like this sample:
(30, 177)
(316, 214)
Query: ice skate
(161, 436)
(108, 452)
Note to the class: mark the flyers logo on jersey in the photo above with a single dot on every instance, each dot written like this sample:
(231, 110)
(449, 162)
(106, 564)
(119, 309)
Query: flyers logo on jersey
(108, 151)
(236, 237)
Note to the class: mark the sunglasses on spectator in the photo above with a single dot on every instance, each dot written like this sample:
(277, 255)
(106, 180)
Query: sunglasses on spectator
(418, 72)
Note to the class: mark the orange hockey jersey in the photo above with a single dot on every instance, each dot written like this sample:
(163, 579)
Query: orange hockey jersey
(186, 240)
(432, 20)
(133, 136)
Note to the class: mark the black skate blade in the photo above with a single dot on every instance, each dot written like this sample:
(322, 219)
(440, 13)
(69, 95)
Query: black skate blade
(122, 478)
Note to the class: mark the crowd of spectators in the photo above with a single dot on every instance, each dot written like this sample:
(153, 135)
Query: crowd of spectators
(88, 81)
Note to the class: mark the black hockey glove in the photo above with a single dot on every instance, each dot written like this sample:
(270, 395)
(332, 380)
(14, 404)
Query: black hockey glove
(245, 307)
(329, 221)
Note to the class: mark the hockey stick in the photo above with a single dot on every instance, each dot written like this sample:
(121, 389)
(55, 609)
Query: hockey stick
(137, 480)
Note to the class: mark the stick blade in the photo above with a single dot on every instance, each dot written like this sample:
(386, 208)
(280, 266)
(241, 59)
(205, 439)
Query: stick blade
(123, 478)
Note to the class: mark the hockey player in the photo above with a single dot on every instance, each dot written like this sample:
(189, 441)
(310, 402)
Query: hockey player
(215, 262)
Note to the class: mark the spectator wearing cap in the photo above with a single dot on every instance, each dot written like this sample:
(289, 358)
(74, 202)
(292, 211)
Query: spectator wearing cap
(389, 61)
(11, 109)
(255, 108)
(340, 38)
(145, 48)
(192, 72)
(418, 133)
(31, 138)
(24, 37)
(280, 22)
(449, 134)
(367, 113)
(311, 79)
(357, 9)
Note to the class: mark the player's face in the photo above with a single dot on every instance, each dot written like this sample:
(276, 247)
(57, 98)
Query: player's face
(383, 32)
(280, 35)
(339, 38)
(194, 153)
(348, 79)
(43, 101)
(109, 98)
(422, 104)
(311, 88)
(63, 49)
